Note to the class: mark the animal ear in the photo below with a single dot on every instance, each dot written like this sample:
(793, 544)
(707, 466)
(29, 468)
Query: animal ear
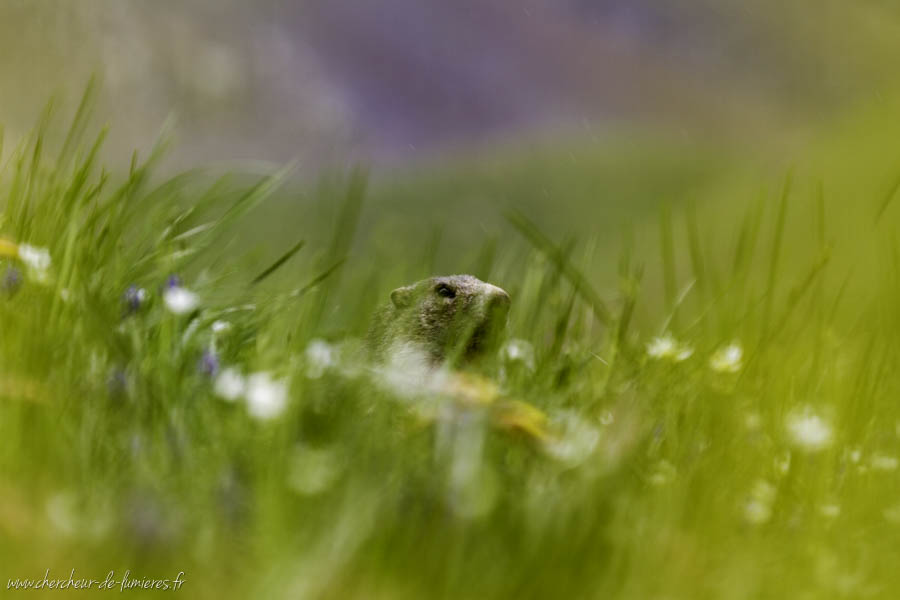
(402, 296)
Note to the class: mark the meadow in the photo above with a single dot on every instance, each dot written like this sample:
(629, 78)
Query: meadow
(697, 397)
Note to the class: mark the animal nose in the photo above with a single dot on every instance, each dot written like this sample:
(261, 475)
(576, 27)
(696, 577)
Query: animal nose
(499, 299)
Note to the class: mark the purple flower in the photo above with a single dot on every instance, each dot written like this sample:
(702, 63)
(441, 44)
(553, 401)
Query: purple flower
(173, 281)
(209, 363)
(12, 281)
(134, 297)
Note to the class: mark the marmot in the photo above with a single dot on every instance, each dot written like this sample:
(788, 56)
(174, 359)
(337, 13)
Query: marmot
(452, 319)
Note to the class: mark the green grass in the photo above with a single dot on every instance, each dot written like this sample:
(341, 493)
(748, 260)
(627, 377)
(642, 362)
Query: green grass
(662, 477)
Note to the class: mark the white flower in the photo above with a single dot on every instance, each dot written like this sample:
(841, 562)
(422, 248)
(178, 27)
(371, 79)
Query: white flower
(180, 300)
(661, 346)
(808, 431)
(577, 438)
(35, 258)
(684, 353)
(830, 510)
(220, 326)
(266, 397)
(320, 356)
(882, 462)
(230, 385)
(728, 359)
(666, 346)
(516, 350)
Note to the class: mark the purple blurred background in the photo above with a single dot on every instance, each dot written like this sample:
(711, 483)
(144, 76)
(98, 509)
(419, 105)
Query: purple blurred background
(332, 81)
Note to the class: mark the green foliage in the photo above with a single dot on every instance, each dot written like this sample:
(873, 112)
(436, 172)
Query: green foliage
(734, 435)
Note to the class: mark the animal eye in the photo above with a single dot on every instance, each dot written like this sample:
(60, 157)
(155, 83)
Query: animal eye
(445, 291)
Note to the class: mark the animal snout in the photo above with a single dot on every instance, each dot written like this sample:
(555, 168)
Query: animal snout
(497, 299)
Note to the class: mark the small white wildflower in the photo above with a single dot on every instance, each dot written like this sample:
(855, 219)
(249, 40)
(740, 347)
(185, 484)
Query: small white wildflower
(266, 397)
(230, 385)
(830, 510)
(576, 441)
(320, 356)
(684, 353)
(180, 300)
(607, 418)
(854, 454)
(220, 326)
(808, 431)
(521, 351)
(666, 346)
(37, 259)
(883, 462)
(728, 359)
(662, 347)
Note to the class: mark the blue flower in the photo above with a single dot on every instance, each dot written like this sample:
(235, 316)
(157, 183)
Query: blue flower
(12, 281)
(173, 281)
(134, 297)
(209, 363)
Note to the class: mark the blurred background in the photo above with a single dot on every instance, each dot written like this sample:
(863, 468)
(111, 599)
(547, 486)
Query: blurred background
(387, 82)
(586, 115)
(650, 141)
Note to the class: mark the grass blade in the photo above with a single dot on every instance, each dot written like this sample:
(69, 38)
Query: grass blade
(530, 231)
(278, 263)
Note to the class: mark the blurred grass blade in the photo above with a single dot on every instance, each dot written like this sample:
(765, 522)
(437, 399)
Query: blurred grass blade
(351, 209)
(888, 198)
(319, 278)
(81, 119)
(279, 263)
(776, 255)
(667, 250)
(530, 231)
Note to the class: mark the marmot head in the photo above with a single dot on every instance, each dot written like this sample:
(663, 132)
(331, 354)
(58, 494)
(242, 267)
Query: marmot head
(458, 317)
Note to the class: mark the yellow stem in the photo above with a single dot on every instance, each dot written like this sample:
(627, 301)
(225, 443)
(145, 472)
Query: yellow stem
(8, 248)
